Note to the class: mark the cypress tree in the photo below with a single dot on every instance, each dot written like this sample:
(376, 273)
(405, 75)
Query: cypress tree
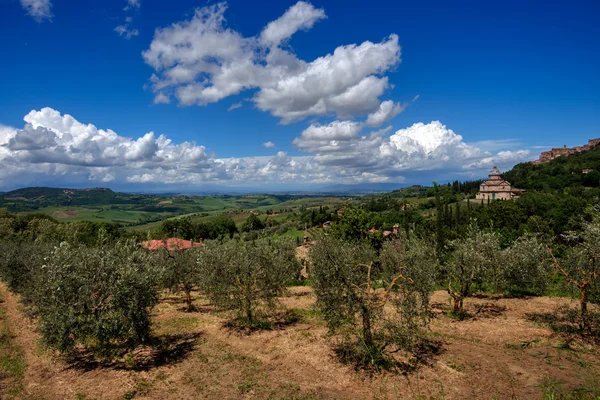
(457, 212)
(468, 210)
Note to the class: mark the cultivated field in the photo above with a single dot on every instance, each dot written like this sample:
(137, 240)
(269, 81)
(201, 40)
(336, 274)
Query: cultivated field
(498, 353)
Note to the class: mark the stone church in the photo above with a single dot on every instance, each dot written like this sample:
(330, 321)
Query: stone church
(496, 188)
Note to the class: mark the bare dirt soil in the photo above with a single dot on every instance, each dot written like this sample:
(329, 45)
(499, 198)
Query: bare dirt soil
(65, 214)
(498, 353)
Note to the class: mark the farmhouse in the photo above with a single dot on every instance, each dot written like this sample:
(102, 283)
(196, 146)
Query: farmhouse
(496, 188)
(170, 244)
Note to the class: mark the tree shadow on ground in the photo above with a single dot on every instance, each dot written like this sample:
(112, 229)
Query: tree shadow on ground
(277, 321)
(376, 359)
(471, 311)
(567, 323)
(160, 350)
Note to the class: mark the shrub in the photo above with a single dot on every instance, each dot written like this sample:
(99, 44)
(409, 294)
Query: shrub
(474, 259)
(581, 264)
(524, 266)
(20, 262)
(248, 276)
(253, 223)
(96, 296)
(352, 292)
(180, 271)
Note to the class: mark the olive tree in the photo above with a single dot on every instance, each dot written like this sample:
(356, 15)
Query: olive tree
(7, 228)
(474, 259)
(180, 271)
(374, 305)
(248, 276)
(581, 264)
(20, 262)
(525, 265)
(96, 296)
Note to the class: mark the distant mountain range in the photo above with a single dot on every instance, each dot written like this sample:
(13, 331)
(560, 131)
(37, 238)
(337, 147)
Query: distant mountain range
(88, 196)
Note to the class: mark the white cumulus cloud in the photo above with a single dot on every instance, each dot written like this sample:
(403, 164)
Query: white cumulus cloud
(387, 110)
(58, 149)
(202, 61)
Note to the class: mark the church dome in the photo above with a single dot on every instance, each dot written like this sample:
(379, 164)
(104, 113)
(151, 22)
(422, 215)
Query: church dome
(495, 171)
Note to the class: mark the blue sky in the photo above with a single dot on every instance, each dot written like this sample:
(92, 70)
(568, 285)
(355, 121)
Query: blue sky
(460, 86)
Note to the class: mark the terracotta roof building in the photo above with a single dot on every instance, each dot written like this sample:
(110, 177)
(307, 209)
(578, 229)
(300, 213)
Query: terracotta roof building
(170, 244)
(496, 188)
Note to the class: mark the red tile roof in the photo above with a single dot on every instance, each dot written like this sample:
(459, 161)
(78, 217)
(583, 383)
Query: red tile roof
(171, 244)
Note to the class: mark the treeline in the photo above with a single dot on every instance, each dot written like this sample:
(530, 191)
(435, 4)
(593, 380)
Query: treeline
(43, 228)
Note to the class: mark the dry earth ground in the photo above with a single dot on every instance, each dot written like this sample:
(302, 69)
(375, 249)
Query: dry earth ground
(497, 354)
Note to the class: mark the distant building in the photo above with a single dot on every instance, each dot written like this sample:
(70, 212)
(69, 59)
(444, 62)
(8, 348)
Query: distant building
(170, 244)
(547, 156)
(496, 188)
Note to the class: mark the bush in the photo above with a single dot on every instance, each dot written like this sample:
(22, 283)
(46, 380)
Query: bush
(353, 291)
(95, 296)
(524, 266)
(20, 262)
(180, 271)
(248, 276)
(474, 260)
(581, 265)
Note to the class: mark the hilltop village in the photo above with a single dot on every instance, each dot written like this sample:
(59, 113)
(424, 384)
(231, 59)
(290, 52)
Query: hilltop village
(547, 156)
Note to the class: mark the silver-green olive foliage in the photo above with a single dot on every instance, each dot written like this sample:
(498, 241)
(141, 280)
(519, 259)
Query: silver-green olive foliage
(180, 271)
(247, 276)
(374, 305)
(525, 265)
(581, 264)
(97, 296)
(19, 262)
(474, 260)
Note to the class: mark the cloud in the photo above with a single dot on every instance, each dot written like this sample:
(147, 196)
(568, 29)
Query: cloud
(202, 61)
(387, 111)
(416, 98)
(132, 4)
(124, 30)
(57, 149)
(31, 138)
(268, 145)
(234, 106)
(38, 9)
(301, 16)
(161, 98)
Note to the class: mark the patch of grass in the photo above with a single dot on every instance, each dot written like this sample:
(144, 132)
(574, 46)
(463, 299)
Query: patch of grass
(246, 387)
(306, 313)
(362, 357)
(179, 325)
(299, 282)
(129, 395)
(12, 362)
(278, 320)
(555, 390)
(460, 316)
(452, 363)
